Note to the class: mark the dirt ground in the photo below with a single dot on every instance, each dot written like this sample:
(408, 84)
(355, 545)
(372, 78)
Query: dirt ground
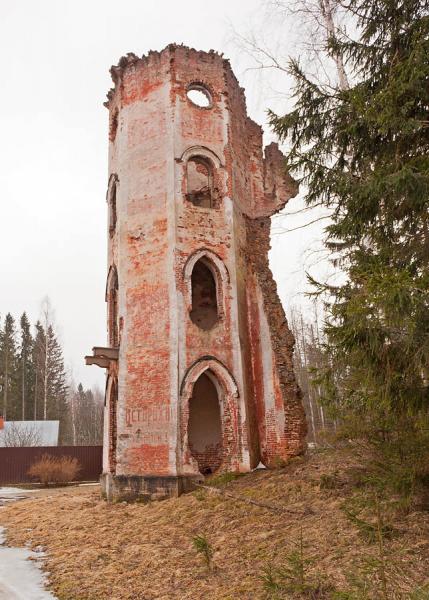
(100, 551)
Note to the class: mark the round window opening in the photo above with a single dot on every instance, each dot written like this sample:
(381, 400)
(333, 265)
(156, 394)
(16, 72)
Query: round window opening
(199, 96)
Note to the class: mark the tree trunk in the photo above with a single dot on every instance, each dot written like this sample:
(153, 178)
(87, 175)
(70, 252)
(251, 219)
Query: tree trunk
(327, 14)
(73, 412)
(6, 384)
(35, 394)
(45, 380)
(23, 391)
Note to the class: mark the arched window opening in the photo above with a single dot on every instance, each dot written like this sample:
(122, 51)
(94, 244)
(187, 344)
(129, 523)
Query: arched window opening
(204, 312)
(204, 425)
(112, 308)
(111, 199)
(200, 182)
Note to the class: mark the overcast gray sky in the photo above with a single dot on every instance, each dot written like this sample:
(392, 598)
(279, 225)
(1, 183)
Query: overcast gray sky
(53, 152)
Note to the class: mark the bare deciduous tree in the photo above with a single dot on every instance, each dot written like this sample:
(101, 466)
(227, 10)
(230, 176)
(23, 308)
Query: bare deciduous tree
(47, 320)
(86, 409)
(23, 435)
(319, 22)
(308, 355)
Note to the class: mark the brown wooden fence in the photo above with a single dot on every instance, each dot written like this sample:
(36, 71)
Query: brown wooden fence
(15, 462)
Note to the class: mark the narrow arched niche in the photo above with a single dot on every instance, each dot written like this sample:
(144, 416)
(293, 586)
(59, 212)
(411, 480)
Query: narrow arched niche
(112, 307)
(204, 311)
(112, 405)
(111, 200)
(204, 424)
(199, 182)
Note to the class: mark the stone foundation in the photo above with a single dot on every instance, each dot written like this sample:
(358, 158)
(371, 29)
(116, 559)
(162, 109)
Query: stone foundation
(135, 488)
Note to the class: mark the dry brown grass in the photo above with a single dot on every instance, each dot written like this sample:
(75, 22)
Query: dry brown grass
(55, 469)
(98, 551)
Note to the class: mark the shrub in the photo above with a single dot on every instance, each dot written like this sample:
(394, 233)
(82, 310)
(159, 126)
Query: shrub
(55, 469)
(329, 481)
(292, 579)
(204, 548)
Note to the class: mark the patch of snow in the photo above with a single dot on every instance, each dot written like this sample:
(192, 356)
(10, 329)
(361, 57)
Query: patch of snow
(260, 467)
(10, 491)
(21, 578)
(90, 483)
(3, 501)
(9, 494)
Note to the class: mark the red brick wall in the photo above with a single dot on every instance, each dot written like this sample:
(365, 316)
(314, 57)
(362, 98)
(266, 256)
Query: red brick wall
(154, 131)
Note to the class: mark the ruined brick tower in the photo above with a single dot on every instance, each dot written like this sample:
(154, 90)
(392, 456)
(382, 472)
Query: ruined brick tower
(199, 360)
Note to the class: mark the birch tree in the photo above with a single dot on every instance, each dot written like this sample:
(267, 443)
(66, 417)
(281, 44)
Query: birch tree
(308, 358)
(321, 24)
(50, 375)
(86, 409)
(47, 320)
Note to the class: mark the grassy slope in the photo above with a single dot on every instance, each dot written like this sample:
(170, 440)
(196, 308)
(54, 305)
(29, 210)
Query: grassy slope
(98, 551)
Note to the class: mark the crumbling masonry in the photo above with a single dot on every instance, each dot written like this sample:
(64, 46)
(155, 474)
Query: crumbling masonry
(199, 360)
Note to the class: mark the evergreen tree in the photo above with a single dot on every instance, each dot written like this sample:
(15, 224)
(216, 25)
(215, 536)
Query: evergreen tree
(25, 377)
(83, 402)
(55, 385)
(39, 354)
(33, 381)
(363, 152)
(8, 368)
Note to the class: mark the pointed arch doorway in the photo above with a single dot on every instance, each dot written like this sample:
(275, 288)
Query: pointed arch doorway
(205, 424)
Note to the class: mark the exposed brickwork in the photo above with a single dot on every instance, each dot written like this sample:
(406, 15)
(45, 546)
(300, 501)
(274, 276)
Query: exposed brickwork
(193, 184)
(290, 439)
(210, 459)
(231, 454)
